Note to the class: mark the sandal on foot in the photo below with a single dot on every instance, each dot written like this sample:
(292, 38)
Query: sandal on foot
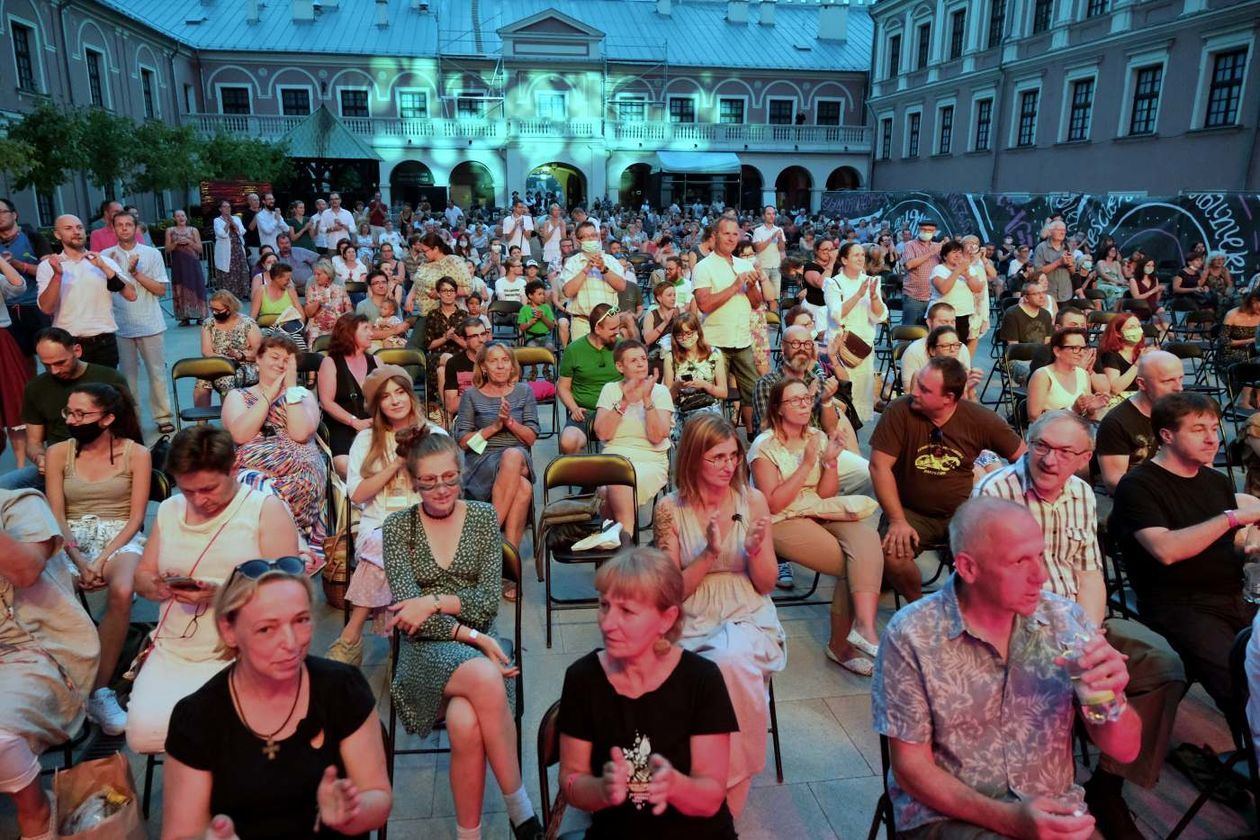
(859, 641)
(859, 665)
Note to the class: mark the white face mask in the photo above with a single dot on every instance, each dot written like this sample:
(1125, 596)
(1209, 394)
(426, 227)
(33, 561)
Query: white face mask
(590, 246)
(1149, 269)
(925, 236)
(1132, 334)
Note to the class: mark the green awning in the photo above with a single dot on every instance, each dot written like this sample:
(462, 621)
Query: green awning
(322, 135)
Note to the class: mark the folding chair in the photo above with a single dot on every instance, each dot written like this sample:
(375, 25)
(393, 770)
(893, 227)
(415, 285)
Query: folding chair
(1022, 352)
(586, 472)
(203, 368)
(1239, 728)
(503, 315)
(511, 647)
(541, 360)
(321, 344)
(883, 808)
(1239, 377)
(414, 362)
(902, 333)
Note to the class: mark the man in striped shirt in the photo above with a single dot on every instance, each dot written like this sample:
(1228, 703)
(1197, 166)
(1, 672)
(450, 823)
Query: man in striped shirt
(1044, 480)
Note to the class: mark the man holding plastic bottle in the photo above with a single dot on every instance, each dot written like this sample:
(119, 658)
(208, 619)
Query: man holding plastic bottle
(973, 691)
(1044, 481)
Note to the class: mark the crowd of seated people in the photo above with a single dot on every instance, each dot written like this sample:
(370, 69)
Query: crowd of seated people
(690, 627)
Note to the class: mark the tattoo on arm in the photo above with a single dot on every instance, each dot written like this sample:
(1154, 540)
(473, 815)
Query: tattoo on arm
(663, 528)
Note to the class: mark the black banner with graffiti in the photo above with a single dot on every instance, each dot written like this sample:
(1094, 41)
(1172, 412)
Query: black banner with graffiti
(1166, 228)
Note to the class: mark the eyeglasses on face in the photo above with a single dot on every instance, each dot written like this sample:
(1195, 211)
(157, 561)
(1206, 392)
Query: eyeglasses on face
(1041, 449)
(803, 401)
(723, 460)
(78, 416)
(797, 345)
(430, 483)
(948, 345)
(1073, 348)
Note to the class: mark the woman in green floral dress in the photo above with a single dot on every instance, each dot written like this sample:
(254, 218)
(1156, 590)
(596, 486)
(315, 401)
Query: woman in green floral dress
(444, 561)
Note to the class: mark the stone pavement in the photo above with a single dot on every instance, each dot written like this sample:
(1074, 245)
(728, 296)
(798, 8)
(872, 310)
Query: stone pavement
(830, 754)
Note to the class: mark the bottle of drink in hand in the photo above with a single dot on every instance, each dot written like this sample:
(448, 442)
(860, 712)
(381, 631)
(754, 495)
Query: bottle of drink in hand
(1097, 707)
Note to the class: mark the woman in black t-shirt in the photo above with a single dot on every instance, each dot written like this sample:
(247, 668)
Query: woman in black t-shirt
(645, 725)
(284, 744)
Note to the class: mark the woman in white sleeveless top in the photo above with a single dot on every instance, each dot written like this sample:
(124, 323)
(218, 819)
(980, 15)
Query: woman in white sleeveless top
(198, 539)
(855, 304)
(552, 233)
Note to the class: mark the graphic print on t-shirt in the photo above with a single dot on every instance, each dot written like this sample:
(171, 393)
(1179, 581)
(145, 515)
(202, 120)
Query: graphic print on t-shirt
(641, 774)
(937, 459)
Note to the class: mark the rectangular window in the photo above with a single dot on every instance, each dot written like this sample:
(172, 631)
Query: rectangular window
(23, 37)
(234, 100)
(1147, 82)
(945, 138)
(894, 56)
(885, 138)
(828, 113)
(45, 208)
(470, 106)
(1043, 10)
(146, 92)
(632, 109)
(1082, 109)
(413, 104)
(731, 111)
(781, 111)
(190, 99)
(913, 122)
(95, 90)
(957, 33)
(1095, 8)
(552, 106)
(682, 109)
(997, 22)
(354, 103)
(1228, 69)
(1027, 135)
(984, 123)
(295, 102)
(925, 46)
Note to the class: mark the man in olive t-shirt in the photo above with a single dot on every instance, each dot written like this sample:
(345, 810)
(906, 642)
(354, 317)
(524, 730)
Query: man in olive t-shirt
(922, 454)
(587, 365)
(45, 397)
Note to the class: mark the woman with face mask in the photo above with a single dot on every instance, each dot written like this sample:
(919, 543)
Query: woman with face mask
(695, 373)
(1118, 350)
(98, 487)
(233, 336)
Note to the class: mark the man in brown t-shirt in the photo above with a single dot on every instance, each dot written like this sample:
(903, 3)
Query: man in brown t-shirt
(922, 453)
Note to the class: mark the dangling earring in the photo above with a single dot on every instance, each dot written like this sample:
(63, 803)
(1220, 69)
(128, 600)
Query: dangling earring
(661, 646)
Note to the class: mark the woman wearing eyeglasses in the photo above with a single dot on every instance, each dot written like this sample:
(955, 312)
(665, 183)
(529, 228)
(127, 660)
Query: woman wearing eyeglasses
(717, 530)
(280, 743)
(1065, 383)
(795, 466)
(444, 560)
(98, 488)
(945, 341)
(198, 537)
(695, 373)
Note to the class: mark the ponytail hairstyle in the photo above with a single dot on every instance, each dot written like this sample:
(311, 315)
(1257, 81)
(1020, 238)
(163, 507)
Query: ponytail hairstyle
(419, 442)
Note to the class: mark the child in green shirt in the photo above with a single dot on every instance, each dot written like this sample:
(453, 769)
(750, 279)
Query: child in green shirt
(536, 319)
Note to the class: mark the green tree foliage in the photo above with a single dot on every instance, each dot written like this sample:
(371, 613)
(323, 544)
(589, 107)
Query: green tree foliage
(108, 146)
(168, 158)
(55, 134)
(229, 157)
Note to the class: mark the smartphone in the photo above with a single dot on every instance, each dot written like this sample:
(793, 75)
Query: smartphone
(686, 377)
(183, 582)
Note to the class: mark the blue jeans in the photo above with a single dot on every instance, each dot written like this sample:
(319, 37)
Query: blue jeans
(913, 311)
(23, 479)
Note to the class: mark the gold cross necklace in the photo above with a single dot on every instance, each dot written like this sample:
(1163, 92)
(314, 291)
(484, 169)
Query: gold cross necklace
(270, 747)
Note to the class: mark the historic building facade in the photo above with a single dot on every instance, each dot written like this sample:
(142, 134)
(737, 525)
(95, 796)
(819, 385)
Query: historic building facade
(1065, 95)
(636, 100)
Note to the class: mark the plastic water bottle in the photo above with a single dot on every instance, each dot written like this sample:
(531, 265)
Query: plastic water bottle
(1097, 706)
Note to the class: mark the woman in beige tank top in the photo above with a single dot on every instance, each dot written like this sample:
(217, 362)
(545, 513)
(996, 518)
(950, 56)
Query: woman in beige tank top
(98, 486)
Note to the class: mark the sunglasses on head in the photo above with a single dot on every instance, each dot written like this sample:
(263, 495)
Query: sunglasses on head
(610, 313)
(255, 569)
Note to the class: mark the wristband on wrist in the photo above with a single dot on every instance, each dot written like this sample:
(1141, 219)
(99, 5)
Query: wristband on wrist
(1232, 517)
(473, 635)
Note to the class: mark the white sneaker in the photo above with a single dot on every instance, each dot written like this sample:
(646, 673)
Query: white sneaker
(104, 711)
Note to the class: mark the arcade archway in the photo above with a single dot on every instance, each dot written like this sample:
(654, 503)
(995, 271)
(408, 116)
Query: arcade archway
(472, 185)
(635, 184)
(558, 182)
(412, 182)
(792, 187)
(844, 178)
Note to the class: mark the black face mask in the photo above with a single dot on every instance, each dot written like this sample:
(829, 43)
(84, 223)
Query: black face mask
(221, 316)
(85, 433)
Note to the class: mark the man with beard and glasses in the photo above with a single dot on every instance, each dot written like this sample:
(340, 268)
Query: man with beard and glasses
(75, 288)
(922, 454)
(1176, 520)
(45, 399)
